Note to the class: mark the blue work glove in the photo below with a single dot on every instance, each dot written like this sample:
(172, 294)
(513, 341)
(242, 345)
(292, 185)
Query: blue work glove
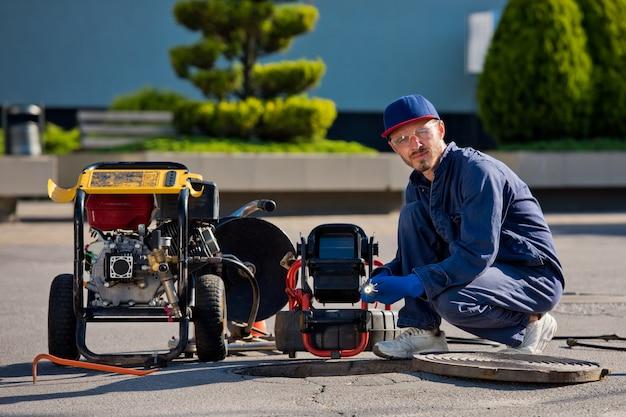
(388, 289)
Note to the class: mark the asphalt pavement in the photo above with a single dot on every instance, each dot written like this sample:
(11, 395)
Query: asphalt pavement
(38, 246)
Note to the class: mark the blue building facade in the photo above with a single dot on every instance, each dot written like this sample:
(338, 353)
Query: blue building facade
(70, 54)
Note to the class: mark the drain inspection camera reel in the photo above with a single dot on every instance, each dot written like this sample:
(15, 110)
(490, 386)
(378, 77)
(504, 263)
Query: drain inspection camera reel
(338, 260)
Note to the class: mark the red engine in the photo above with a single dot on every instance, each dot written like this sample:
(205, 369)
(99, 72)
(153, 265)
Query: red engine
(119, 211)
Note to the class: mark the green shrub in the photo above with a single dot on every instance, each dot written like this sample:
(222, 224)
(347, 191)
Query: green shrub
(217, 83)
(230, 118)
(236, 34)
(536, 81)
(605, 24)
(201, 55)
(204, 144)
(569, 145)
(186, 117)
(148, 98)
(286, 77)
(205, 118)
(297, 118)
(238, 118)
(59, 141)
(288, 20)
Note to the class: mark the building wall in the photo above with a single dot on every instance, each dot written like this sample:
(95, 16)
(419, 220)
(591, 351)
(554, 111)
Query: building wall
(74, 53)
(83, 53)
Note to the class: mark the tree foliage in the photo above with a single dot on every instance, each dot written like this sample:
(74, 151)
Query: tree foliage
(605, 24)
(148, 98)
(536, 82)
(239, 33)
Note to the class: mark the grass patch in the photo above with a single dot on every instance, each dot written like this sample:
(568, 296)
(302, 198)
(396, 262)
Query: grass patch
(568, 145)
(220, 145)
(57, 141)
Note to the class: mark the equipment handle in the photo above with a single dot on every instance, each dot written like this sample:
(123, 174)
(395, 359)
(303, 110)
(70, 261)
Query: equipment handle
(360, 347)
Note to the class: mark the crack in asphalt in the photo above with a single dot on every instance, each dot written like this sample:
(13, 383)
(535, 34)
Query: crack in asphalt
(617, 310)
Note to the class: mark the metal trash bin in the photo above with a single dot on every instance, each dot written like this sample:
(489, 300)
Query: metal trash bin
(23, 129)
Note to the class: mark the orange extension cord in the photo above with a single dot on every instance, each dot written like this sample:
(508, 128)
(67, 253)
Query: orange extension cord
(87, 365)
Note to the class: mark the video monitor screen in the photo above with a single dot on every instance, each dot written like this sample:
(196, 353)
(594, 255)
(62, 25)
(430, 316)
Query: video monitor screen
(336, 246)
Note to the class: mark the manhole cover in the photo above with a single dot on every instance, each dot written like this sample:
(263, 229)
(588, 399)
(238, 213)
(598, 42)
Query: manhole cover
(509, 367)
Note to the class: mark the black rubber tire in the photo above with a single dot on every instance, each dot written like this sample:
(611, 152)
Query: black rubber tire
(287, 331)
(209, 318)
(61, 318)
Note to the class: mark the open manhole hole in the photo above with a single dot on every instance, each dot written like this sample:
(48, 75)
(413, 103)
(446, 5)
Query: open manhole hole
(509, 367)
(481, 365)
(321, 367)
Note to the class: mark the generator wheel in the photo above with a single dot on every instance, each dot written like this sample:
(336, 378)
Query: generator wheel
(210, 318)
(61, 318)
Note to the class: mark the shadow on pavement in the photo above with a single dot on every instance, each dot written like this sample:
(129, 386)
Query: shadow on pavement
(43, 219)
(189, 374)
(178, 375)
(616, 229)
(493, 385)
(16, 370)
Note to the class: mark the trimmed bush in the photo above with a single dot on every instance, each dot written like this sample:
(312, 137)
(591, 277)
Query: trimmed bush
(59, 141)
(289, 20)
(297, 118)
(205, 144)
(202, 55)
(238, 33)
(205, 118)
(286, 77)
(148, 98)
(217, 83)
(536, 82)
(186, 117)
(605, 24)
(230, 118)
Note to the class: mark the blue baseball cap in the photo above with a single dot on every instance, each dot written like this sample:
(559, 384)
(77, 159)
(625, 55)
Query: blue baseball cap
(405, 110)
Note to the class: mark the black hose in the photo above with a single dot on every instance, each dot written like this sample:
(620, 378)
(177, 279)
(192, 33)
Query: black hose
(255, 290)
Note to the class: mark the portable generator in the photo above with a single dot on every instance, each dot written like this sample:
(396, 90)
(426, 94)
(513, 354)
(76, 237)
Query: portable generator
(154, 256)
(337, 258)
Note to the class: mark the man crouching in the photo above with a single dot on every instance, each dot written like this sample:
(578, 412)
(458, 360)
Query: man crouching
(473, 245)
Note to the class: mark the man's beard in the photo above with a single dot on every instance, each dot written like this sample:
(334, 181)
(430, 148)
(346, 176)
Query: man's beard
(423, 163)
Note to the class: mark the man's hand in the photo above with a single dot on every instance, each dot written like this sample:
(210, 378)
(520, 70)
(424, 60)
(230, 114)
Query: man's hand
(388, 289)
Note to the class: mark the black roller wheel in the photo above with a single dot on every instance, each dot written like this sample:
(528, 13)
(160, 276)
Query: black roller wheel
(210, 318)
(288, 334)
(61, 318)
(383, 326)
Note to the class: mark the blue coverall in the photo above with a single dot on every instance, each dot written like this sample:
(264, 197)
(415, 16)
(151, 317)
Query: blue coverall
(478, 241)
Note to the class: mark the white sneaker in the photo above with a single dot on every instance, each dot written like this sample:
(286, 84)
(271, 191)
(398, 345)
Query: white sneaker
(538, 334)
(411, 342)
